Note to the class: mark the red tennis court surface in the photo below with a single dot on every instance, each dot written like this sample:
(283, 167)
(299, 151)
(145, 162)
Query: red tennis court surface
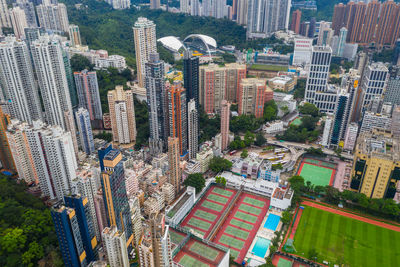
(198, 214)
(245, 217)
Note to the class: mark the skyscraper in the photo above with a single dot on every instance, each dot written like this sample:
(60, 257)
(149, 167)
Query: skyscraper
(4, 16)
(374, 82)
(195, 8)
(122, 114)
(325, 33)
(120, 4)
(29, 10)
(193, 129)
(17, 80)
(53, 17)
(342, 117)
(18, 21)
(155, 4)
(84, 130)
(234, 74)
(48, 154)
(341, 41)
(144, 33)
(74, 35)
(388, 28)
(225, 116)
(70, 121)
(191, 77)
(376, 168)
(295, 21)
(267, 16)
(318, 92)
(370, 21)
(87, 90)
(6, 154)
(115, 246)
(161, 242)
(251, 97)
(156, 101)
(175, 174)
(184, 6)
(69, 236)
(50, 70)
(114, 192)
(177, 114)
(241, 18)
(311, 28)
(85, 222)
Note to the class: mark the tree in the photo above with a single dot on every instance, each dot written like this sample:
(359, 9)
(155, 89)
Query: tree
(219, 164)
(313, 254)
(300, 89)
(79, 63)
(34, 253)
(260, 139)
(195, 180)
(104, 135)
(332, 194)
(277, 166)
(270, 111)
(13, 239)
(297, 183)
(309, 109)
(286, 217)
(249, 138)
(244, 154)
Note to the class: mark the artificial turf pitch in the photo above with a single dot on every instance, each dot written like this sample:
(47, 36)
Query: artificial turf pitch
(316, 175)
(342, 240)
(188, 261)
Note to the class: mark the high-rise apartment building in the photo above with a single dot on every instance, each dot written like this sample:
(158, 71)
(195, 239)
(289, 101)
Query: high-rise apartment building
(50, 70)
(341, 42)
(177, 114)
(87, 90)
(175, 174)
(193, 129)
(388, 29)
(32, 34)
(241, 17)
(376, 164)
(191, 77)
(156, 101)
(85, 222)
(295, 21)
(225, 117)
(49, 155)
(317, 90)
(234, 74)
(184, 6)
(350, 138)
(18, 21)
(53, 17)
(84, 130)
(115, 246)
(144, 34)
(195, 8)
(6, 154)
(70, 121)
(342, 117)
(155, 4)
(325, 33)
(374, 82)
(17, 80)
(251, 96)
(392, 94)
(136, 219)
(74, 35)
(29, 9)
(69, 237)
(122, 114)
(86, 182)
(120, 4)
(4, 15)
(161, 242)
(114, 192)
(267, 16)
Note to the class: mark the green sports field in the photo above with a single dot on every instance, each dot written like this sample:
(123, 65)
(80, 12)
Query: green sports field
(205, 215)
(212, 205)
(199, 224)
(341, 240)
(231, 242)
(315, 174)
(254, 202)
(204, 250)
(241, 224)
(250, 209)
(246, 217)
(223, 192)
(217, 198)
(188, 261)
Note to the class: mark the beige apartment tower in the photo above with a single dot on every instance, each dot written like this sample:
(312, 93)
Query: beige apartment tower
(225, 113)
(122, 115)
(144, 34)
(173, 162)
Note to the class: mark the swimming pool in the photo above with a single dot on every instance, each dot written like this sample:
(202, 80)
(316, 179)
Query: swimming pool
(261, 246)
(272, 222)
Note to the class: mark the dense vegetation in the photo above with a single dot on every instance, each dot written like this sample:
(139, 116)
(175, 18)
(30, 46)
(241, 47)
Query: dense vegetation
(219, 164)
(142, 123)
(26, 229)
(208, 127)
(195, 180)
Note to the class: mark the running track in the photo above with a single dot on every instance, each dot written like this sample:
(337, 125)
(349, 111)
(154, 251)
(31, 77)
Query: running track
(353, 216)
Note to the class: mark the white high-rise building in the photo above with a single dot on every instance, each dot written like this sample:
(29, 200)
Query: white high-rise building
(318, 92)
(84, 130)
(120, 4)
(327, 130)
(53, 17)
(29, 10)
(374, 82)
(242, 12)
(302, 51)
(18, 21)
(195, 8)
(144, 33)
(184, 6)
(115, 245)
(50, 70)
(18, 82)
(74, 35)
(136, 216)
(193, 129)
(351, 136)
(4, 16)
(267, 16)
(50, 155)
(87, 186)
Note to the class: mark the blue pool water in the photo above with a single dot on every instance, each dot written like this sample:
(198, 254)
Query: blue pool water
(272, 222)
(261, 247)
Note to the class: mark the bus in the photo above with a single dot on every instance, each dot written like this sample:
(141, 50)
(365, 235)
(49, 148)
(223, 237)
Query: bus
(232, 152)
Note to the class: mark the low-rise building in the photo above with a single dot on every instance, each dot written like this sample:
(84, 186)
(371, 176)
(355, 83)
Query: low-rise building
(247, 167)
(282, 83)
(204, 157)
(168, 191)
(273, 127)
(266, 172)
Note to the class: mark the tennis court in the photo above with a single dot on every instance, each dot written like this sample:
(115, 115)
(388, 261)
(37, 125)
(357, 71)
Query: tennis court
(250, 209)
(231, 242)
(234, 253)
(241, 224)
(204, 250)
(217, 198)
(223, 192)
(237, 232)
(284, 263)
(317, 175)
(175, 237)
(205, 215)
(245, 217)
(212, 206)
(189, 261)
(254, 202)
(203, 225)
(187, 228)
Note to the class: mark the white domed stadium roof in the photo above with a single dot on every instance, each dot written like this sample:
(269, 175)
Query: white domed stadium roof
(171, 42)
